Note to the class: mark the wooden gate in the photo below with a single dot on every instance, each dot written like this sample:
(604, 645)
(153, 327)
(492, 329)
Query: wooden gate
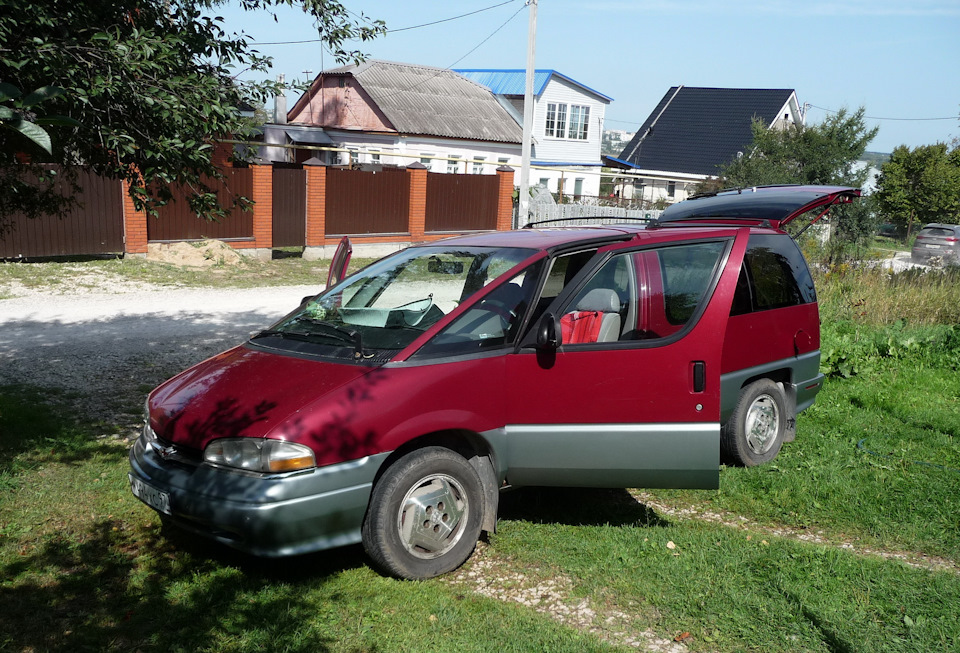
(94, 225)
(289, 207)
(360, 202)
(175, 221)
(461, 202)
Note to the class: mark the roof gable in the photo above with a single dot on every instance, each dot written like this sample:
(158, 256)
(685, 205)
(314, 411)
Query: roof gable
(513, 81)
(429, 101)
(693, 130)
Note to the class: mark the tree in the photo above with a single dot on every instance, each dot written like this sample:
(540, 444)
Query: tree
(150, 84)
(920, 186)
(824, 153)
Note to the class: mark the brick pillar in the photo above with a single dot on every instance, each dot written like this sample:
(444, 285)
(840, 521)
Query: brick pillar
(262, 210)
(134, 225)
(417, 214)
(316, 205)
(505, 198)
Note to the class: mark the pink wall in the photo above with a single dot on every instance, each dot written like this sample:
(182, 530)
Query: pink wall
(347, 108)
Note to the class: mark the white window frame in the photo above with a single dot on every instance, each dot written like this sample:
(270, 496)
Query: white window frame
(453, 164)
(478, 163)
(579, 124)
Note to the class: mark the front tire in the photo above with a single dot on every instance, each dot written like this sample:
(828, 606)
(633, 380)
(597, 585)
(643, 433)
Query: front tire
(424, 515)
(755, 431)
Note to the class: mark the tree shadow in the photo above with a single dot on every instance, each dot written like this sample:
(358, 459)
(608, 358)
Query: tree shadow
(578, 507)
(119, 587)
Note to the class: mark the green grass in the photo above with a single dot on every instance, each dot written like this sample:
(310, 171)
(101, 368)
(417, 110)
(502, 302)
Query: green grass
(85, 566)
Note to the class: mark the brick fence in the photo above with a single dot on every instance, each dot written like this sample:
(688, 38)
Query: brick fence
(403, 195)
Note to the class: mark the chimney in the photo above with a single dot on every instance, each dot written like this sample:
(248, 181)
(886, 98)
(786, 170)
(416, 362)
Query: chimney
(280, 103)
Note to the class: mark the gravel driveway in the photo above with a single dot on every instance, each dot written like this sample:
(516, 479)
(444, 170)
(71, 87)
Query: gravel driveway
(108, 349)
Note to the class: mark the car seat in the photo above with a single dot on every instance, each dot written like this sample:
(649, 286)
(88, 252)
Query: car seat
(596, 318)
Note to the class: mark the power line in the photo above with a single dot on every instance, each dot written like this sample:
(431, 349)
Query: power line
(399, 29)
(447, 20)
(899, 119)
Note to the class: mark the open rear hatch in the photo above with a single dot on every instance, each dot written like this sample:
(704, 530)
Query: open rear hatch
(777, 205)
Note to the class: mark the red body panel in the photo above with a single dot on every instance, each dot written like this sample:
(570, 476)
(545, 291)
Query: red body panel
(764, 336)
(241, 393)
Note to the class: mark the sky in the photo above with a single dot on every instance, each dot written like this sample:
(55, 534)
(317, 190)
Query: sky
(899, 59)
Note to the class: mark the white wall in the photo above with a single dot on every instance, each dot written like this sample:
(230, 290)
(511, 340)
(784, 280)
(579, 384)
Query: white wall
(566, 150)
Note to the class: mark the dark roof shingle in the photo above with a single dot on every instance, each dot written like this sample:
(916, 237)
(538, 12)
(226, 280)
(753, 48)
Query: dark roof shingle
(701, 128)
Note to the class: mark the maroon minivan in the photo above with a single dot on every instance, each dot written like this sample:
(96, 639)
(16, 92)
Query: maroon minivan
(393, 407)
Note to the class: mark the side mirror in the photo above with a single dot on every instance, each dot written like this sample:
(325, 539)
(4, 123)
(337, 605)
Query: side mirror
(549, 337)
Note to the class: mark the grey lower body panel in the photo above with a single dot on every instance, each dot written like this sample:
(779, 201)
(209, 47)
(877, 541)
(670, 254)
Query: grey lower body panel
(805, 382)
(614, 455)
(263, 515)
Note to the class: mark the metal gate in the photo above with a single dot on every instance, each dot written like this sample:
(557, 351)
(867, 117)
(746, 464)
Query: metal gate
(289, 207)
(93, 225)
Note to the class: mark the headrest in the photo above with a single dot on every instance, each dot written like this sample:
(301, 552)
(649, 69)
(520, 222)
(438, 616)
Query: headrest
(602, 300)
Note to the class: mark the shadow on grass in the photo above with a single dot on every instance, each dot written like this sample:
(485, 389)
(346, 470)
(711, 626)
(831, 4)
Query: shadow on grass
(578, 507)
(121, 587)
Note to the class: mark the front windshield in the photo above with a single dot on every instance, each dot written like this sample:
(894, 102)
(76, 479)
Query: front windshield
(387, 305)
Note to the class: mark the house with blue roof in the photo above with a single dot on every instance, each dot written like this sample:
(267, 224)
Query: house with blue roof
(567, 126)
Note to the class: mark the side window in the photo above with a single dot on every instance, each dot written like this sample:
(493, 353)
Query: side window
(642, 295)
(492, 322)
(774, 275)
(562, 269)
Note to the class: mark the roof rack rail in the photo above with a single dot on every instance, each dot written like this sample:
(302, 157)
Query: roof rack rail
(739, 189)
(530, 225)
(701, 221)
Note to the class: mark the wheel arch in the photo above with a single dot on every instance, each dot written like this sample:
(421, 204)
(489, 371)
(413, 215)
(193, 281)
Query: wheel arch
(475, 449)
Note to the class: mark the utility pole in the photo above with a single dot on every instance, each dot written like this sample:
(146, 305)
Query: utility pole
(527, 145)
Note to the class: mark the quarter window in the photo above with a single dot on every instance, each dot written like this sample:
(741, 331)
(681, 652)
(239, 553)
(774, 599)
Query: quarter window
(774, 275)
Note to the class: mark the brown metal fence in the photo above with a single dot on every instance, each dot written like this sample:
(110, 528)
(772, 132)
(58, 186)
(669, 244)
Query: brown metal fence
(176, 221)
(289, 207)
(461, 202)
(360, 202)
(93, 226)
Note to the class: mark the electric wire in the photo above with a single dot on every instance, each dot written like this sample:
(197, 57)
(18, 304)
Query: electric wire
(898, 119)
(399, 29)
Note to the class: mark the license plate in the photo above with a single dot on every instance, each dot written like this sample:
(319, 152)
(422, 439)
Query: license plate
(933, 246)
(156, 499)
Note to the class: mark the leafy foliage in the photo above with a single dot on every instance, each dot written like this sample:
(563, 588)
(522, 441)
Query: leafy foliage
(825, 153)
(149, 83)
(919, 186)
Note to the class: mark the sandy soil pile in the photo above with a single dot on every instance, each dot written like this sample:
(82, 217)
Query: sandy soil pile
(201, 254)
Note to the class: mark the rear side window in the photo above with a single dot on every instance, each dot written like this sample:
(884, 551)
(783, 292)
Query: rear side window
(774, 275)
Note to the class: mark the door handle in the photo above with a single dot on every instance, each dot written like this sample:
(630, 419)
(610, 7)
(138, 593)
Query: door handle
(699, 376)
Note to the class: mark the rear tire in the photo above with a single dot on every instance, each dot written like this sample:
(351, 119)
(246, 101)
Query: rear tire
(424, 515)
(755, 431)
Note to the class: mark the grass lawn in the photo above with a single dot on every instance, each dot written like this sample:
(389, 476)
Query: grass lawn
(849, 541)
(83, 565)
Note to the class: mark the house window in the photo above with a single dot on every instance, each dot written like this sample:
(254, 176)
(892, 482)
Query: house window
(427, 160)
(578, 187)
(354, 156)
(478, 165)
(453, 165)
(579, 122)
(545, 182)
(556, 120)
(671, 189)
(375, 157)
(502, 161)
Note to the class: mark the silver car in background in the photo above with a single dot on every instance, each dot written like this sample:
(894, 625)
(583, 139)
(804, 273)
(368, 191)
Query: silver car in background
(937, 240)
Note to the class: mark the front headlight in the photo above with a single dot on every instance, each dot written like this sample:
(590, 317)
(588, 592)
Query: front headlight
(259, 455)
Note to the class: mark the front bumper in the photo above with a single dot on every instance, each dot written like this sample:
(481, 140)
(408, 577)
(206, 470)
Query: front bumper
(266, 515)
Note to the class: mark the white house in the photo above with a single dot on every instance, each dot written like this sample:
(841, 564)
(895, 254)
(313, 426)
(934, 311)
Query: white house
(567, 126)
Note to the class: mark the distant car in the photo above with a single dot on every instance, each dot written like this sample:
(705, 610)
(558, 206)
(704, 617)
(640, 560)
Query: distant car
(393, 407)
(937, 240)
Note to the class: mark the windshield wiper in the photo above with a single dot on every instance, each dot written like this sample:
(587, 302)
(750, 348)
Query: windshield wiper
(352, 336)
(297, 335)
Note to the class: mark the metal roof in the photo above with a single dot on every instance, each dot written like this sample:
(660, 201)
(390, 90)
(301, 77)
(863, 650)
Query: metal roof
(513, 82)
(433, 101)
(694, 130)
